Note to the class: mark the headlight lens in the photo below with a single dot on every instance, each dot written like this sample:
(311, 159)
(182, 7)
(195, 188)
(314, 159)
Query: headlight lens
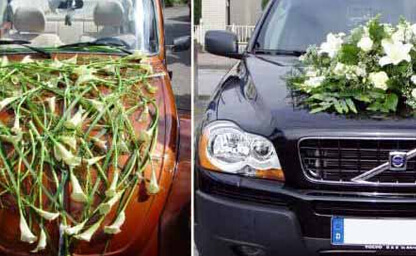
(225, 147)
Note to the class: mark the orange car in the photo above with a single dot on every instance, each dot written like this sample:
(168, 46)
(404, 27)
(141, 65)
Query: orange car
(155, 225)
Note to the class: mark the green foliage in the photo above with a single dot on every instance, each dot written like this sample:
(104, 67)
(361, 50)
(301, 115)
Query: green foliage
(197, 4)
(370, 70)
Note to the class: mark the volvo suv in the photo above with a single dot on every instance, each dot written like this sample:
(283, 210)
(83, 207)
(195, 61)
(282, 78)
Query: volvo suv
(274, 179)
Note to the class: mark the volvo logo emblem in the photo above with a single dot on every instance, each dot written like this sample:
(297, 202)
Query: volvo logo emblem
(398, 161)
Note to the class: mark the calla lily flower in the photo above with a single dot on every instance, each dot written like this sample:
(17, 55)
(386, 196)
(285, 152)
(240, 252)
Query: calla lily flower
(75, 229)
(69, 141)
(11, 138)
(56, 64)
(145, 114)
(72, 60)
(27, 59)
(105, 208)
(115, 228)
(63, 154)
(86, 235)
(52, 104)
(4, 61)
(153, 187)
(77, 194)
(113, 186)
(94, 160)
(25, 234)
(4, 103)
(76, 120)
(41, 243)
(101, 144)
(98, 105)
(16, 126)
(84, 74)
(47, 215)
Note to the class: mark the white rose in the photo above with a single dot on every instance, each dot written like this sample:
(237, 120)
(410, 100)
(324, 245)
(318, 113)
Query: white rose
(360, 71)
(379, 80)
(414, 93)
(332, 45)
(339, 69)
(365, 44)
(413, 79)
(396, 52)
(314, 81)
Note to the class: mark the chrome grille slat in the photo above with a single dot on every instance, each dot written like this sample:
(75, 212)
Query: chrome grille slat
(338, 160)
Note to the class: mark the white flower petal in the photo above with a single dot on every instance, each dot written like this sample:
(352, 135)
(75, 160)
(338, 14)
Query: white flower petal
(75, 229)
(41, 243)
(115, 228)
(87, 235)
(105, 208)
(77, 194)
(25, 234)
(113, 187)
(4, 103)
(94, 160)
(47, 215)
(153, 187)
(76, 120)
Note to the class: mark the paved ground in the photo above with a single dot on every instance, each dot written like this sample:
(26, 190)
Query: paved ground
(178, 23)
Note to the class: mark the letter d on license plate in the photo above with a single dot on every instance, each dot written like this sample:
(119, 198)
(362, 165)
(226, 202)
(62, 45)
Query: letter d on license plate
(361, 232)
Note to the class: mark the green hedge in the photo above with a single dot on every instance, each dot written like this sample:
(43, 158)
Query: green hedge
(172, 2)
(197, 11)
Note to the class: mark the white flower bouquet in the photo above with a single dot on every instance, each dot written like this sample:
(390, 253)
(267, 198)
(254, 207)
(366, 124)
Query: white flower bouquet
(373, 69)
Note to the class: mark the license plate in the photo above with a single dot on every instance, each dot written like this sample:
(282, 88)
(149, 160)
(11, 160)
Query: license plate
(352, 231)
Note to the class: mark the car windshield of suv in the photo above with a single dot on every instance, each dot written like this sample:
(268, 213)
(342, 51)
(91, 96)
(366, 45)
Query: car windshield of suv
(53, 23)
(293, 25)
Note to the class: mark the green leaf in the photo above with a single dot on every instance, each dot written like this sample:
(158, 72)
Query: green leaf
(345, 106)
(351, 105)
(391, 102)
(376, 30)
(349, 54)
(338, 107)
(363, 98)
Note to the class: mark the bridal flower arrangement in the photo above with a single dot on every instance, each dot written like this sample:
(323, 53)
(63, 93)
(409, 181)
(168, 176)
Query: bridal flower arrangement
(373, 69)
(66, 124)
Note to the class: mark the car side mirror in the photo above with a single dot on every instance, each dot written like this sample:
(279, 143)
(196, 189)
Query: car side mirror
(222, 43)
(181, 44)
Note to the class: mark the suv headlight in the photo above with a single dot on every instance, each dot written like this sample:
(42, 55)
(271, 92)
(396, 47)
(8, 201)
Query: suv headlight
(225, 147)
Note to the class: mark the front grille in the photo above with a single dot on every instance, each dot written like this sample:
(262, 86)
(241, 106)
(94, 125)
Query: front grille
(338, 160)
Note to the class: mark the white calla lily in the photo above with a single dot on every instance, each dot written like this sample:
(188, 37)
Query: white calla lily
(112, 190)
(47, 215)
(75, 229)
(7, 101)
(25, 234)
(94, 160)
(70, 141)
(115, 228)
(87, 235)
(4, 62)
(27, 59)
(16, 125)
(396, 52)
(98, 105)
(63, 154)
(105, 208)
(153, 187)
(76, 120)
(41, 243)
(77, 194)
(52, 104)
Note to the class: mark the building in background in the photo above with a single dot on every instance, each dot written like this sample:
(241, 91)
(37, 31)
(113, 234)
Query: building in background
(230, 12)
(238, 16)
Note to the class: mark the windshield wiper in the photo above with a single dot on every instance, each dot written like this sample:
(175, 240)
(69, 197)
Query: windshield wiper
(295, 53)
(119, 46)
(25, 44)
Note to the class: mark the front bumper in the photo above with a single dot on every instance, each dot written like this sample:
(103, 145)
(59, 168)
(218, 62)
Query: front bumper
(290, 223)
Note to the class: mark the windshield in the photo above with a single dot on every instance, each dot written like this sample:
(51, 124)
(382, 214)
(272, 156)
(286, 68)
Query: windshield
(53, 23)
(293, 25)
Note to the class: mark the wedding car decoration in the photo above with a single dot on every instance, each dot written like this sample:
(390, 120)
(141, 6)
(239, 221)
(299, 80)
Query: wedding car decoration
(66, 124)
(370, 70)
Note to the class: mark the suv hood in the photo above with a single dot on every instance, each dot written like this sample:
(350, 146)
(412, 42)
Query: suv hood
(257, 85)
